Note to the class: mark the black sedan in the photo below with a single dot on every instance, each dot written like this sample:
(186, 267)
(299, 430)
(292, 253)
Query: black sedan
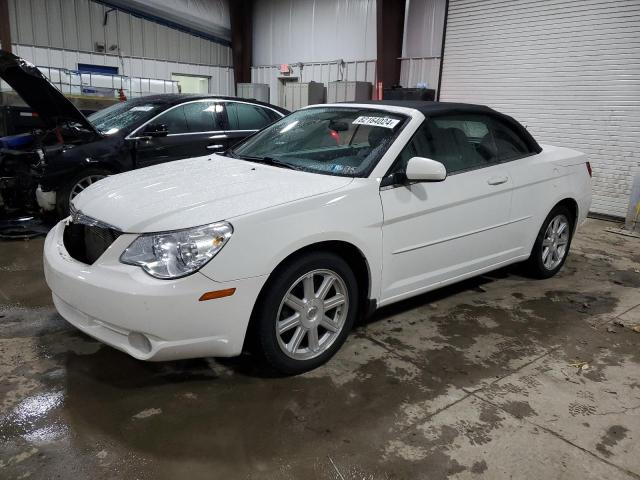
(72, 151)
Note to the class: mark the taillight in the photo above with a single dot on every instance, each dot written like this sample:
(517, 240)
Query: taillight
(589, 169)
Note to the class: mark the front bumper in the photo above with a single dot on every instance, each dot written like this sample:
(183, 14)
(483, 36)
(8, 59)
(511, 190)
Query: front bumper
(148, 318)
(46, 200)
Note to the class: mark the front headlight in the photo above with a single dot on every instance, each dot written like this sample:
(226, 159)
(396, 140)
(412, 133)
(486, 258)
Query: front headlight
(178, 253)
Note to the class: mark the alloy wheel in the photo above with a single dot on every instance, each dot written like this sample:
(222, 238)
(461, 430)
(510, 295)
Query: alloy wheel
(84, 183)
(555, 242)
(312, 314)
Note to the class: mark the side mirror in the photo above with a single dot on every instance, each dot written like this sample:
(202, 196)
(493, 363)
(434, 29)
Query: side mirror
(420, 169)
(156, 130)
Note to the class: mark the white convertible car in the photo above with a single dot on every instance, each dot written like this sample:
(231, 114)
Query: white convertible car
(323, 216)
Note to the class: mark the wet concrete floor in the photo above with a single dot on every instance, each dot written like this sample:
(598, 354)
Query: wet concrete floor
(499, 377)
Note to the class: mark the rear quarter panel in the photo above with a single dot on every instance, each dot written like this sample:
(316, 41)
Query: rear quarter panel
(540, 182)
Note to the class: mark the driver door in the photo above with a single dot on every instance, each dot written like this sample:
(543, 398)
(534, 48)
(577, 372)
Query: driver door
(439, 232)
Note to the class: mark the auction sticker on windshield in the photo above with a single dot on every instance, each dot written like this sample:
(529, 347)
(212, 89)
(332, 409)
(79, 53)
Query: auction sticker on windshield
(385, 122)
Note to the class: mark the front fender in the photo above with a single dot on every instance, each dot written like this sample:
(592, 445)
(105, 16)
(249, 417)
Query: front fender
(262, 240)
(60, 166)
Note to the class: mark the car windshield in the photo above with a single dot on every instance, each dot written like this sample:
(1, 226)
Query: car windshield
(122, 116)
(343, 141)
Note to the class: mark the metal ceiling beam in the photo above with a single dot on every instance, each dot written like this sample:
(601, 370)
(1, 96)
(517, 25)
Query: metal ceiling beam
(194, 26)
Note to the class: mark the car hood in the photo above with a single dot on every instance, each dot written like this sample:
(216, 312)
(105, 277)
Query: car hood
(197, 191)
(53, 108)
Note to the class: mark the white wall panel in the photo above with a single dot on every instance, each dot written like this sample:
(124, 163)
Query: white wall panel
(194, 49)
(79, 24)
(124, 39)
(221, 78)
(96, 20)
(287, 31)
(24, 24)
(568, 70)
(424, 22)
(419, 70)
(54, 17)
(83, 23)
(173, 45)
(148, 39)
(40, 30)
(137, 39)
(13, 23)
(183, 54)
(422, 43)
(316, 33)
(111, 36)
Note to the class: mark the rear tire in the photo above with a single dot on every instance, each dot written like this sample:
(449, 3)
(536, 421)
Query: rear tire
(306, 312)
(74, 186)
(552, 244)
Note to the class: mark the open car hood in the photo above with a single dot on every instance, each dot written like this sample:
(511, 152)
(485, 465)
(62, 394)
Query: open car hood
(53, 108)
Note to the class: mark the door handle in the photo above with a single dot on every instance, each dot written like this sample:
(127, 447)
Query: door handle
(217, 146)
(497, 180)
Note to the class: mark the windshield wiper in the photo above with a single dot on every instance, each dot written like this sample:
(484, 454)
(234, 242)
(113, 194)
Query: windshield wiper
(267, 160)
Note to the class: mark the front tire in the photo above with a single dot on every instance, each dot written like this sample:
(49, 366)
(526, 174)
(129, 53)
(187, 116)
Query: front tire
(552, 243)
(76, 185)
(306, 312)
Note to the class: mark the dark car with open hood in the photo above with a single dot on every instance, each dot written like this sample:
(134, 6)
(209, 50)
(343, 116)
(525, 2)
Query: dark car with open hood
(45, 169)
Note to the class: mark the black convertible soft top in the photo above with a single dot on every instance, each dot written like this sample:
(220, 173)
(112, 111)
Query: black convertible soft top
(434, 109)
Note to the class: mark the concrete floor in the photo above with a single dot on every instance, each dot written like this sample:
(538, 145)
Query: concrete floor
(499, 377)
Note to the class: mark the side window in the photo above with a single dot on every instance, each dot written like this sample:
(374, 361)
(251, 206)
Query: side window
(174, 119)
(418, 146)
(272, 115)
(508, 143)
(243, 116)
(462, 142)
(201, 117)
(459, 142)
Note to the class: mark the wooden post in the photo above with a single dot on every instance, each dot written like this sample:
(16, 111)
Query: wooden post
(390, 32)
(241, 15)
(5, 30)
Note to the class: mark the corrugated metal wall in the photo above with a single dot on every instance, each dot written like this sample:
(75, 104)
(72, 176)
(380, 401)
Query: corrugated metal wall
(568, 70)
(317, 33)
(422, 45)
(221, 78)
(62, 33)
(78, 24)
(288, 31)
